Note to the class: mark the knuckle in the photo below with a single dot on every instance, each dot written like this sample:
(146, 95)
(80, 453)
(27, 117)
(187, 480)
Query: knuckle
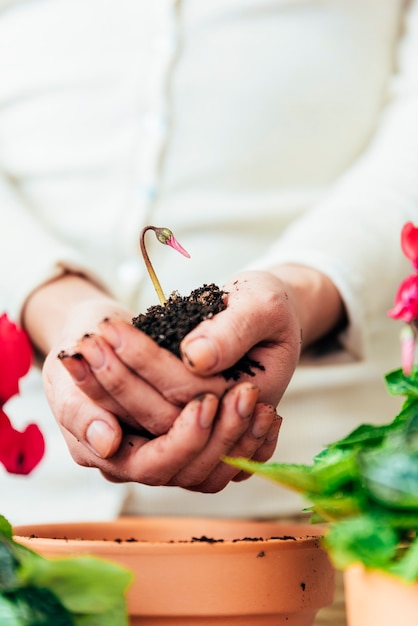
(116, 386)
(177, 395)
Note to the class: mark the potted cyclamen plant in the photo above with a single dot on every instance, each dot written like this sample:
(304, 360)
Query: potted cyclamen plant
(198, 571)
(35, 591)
(365, 486)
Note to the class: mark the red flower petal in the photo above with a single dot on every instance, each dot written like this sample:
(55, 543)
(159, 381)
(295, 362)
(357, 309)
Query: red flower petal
(15, 358)
(409, 242)
(406, 301)
(20, 451)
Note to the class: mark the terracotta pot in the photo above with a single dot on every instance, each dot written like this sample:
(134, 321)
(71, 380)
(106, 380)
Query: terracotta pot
(244, 579)
(377, 599)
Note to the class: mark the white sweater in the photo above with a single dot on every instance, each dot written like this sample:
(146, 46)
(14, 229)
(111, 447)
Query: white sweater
(259, 131)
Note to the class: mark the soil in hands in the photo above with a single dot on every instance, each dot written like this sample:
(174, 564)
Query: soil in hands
(168, 324)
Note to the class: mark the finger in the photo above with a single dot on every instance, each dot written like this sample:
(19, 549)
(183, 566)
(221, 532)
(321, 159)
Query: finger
(264, 451)
(154, 462)
(82, 376)
(233, 419)
(140, 401)
(95, 429)
(152, 363)
(247, 446)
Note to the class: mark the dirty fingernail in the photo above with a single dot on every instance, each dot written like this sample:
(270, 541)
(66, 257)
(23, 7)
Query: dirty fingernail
(93, 352)
(263, 417)
(200, 353)
(74, 364)
(101, 438)
(260, 429)
(274, 429)
(208, 405)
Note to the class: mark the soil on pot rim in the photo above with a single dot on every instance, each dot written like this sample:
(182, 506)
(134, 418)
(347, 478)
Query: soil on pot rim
(201, 539)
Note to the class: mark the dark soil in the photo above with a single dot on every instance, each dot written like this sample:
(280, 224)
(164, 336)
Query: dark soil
(201, 539)
(170, 323)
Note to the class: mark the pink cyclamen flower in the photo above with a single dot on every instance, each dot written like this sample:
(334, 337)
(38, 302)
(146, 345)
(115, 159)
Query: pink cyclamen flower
(406, 301)
(20, 451)
(15, 358)
(409, 242)
(165, 236)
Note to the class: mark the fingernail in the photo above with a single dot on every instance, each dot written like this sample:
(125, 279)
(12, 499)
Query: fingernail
(263, 418)
(260, 430)
(208, 405)
(92, 352)
(111, 333)
(200, 353)
(74, 364)
(274, 429)
(101, 438)
(247, 399)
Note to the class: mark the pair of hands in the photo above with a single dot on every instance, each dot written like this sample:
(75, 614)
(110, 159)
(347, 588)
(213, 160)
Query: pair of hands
(138, 413)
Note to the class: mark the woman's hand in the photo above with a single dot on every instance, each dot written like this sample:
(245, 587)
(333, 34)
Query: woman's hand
(138, 413)
(129, 407)
(261, 320)
(135, 423)
(188, 454)
(271, 316)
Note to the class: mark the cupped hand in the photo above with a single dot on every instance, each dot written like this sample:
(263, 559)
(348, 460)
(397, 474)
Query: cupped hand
(187, 455)
(261, 320)
(129, 376)
(138, 413)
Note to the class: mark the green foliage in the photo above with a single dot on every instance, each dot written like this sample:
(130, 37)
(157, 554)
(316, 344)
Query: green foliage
(76, 591)
(366, 486)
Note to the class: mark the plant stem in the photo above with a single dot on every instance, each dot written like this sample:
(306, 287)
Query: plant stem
(149, 266)
(165, 236)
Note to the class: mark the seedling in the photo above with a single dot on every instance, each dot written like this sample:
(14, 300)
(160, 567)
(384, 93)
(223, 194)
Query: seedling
(165, 236)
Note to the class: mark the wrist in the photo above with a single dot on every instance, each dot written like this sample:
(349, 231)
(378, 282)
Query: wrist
(319, 304)
(65, 302)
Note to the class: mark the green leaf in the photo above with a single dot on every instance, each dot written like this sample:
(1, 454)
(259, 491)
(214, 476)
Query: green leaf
(34, 606)
(5, 528)
(83, 584)
(391, 477)
(364, 435)
(8, 612)
(407, 566)
(116, 616)
(361, 539)
(296, 477)
(8, 565)
(400, 385)
(409, 408)
(334, 507)
(328, 473)
(85, 590)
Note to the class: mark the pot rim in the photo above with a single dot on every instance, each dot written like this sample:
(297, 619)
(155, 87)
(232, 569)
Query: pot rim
(289, 534)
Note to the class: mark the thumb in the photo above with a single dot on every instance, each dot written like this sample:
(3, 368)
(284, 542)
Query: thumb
(217, 344)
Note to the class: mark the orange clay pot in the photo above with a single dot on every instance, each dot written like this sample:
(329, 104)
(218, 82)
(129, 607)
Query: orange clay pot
(374, 598)
(185, 582)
